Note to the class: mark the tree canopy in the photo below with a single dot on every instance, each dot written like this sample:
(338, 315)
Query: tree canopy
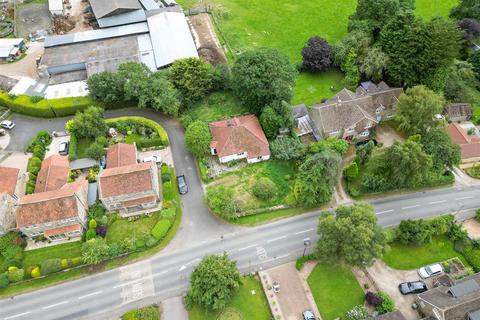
(106, 87)
(213, 282)
(192, 77)
(439, 145)
(274, 117)
(352, 235)
(262, 77)
(466, 9)
(317, 54)
(89, 123)
(198, 138)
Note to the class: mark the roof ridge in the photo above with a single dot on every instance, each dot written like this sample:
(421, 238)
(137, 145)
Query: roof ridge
(253, 133)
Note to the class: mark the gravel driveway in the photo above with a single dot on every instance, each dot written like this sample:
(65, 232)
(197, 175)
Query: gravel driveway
(388, 279)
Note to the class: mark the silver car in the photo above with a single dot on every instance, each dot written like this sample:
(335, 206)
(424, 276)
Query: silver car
(6, 124)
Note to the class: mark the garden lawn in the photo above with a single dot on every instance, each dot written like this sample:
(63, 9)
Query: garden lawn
(431, 8)
(409, 257)
(121, 229)
(250, 306)
(60, 251)
(133, 138)
(217, 106)
(241, 181)
(82, 146)
(335, 289)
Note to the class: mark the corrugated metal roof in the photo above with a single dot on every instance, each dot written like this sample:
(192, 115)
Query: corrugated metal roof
(55, 5)
(145, 49)
(114, 32)
(123, 19)
(105, 8)
(171, 37)
(150, 4)
(10, 42)
(67, 68)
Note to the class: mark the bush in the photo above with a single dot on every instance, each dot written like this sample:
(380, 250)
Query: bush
(92, 224)
(161, 228)
(72, 149)
(373, 299)
(415, 231)
(101, 230)
(302, 260)
(220, 200)
(35, 272)
(167, 191)
(351, 172)
(477, 215)
(166, 177)
(147, 313)
(168, 213)
(150, 241)
(472, 255)
(457, 233)
(76, 261)
(4, 281)
(158, 129)
(64, 263)
(49, 266)
(91, 233)
(45, 137)
(387, 305)
(15, 274)
(139, 244)
(264, 189)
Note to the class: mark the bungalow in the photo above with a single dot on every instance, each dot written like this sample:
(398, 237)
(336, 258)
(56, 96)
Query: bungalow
(352, 115)
(10, 191)
(127, 186)
(467, 137)
(56, 215)
(239, 138)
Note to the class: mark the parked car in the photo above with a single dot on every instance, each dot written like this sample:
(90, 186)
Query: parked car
(276, 287)
(182, 184)
(364, 142)
(308, 315)
(6, 124)
(430, 271)
(412, 287)
(156, 159)
(63, 148)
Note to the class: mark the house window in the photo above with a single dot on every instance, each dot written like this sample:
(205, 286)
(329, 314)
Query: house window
(57, 237)
(364, 134)
(240, 154)
(350, 129)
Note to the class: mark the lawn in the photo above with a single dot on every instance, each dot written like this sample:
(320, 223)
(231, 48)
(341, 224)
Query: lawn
(259, 218)
(335, 289)
(60, 251)
(218, 106)
(250, 306)
(241, 181)
(122, 228)
(431, 8)
(133, 138)
(409, 257)
(82, 146)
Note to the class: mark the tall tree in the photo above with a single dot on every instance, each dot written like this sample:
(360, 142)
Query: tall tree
(262, 77)
(376, 12)
(159, 94)
(355, 39)
(439, 145)
(135, 77)
(106, 87)
(198, 138)
(461, 84)
(213, 282)
(317, 54)
(374, 64)
(466, 9)
(470, 27)
(317, 177)
(352, 235)
(474, 59)
(416, 110)
(89, 123)
(192, 77)
(352, 72)
(276, 116)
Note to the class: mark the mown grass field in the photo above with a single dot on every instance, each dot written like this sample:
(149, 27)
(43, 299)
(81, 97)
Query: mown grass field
(217, 106)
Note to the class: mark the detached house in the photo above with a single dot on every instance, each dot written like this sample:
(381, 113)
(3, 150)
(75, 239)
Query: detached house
(127, 186)
(469, 143)
(10, 190)
(351, 115)
(239, 138)
(56, 215)
(53, 174)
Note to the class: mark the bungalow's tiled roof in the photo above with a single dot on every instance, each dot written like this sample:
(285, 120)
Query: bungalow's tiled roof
(237, 135)
(128, 179)
(469, 146)
(53, 174)
(8, 178)
(121, 154)
(49, 206)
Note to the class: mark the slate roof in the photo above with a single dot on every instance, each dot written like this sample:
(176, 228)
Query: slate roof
(456, 110)
(395, 315)
(121, 154)
(237, 135)
(107, 8)
(125, 180)
(49, 206)
(9, 178)
(53, 174)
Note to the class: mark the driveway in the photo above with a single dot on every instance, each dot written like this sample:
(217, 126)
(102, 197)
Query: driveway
(27, 67)
(55, 145)
(387, 135)
(198, 224)
(388, 279)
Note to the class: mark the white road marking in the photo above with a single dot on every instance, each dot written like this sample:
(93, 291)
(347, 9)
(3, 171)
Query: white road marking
(463, 198)
(305, 231)
(410, 207)
(245, 248)
(160, 273)
(55, 305)
(182, 268)
(437, 202)
(386, 211)
(17, 315)
(276, 239)
(284, 256)
(90, 294)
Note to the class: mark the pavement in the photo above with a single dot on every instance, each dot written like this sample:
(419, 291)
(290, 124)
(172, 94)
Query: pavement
(166, 274)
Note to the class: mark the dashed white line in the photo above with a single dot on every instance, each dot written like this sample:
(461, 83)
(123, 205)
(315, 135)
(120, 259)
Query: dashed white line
(437, 202)
(90, 294)
(410, 207)
(17, 315)
(55, 305)
(386, 211)
(305, 231)
(284, 256)
(463, 198)
(248, 247)
(276, 239)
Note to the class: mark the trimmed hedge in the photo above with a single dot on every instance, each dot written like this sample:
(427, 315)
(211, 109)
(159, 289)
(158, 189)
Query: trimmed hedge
(72, 150)
(161, 228)
(49, 266)
(162, 134)
(45, 108)
(472, 255)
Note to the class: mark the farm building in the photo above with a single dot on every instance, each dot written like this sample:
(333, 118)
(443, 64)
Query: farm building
(56, 7)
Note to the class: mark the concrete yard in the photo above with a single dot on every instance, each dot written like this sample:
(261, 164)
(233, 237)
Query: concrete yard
(32, 17)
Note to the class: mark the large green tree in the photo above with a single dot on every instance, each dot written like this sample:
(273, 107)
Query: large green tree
(439, 145)
(89, 123)
(159, 94)
(106, 87)
(416, 110)
(461, 84)
(213, 282)
(374, 64)
(317, 178)
(192, 77)
(355, 39)
(466, 9)
(276, 116)
(262, 77)
(352, 71)
(351, 235)
(198, 138)
(135, 77)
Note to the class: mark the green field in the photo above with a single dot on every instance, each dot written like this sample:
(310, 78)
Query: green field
(335, 290)
(251, 307)
(409, 257)
(431, 8)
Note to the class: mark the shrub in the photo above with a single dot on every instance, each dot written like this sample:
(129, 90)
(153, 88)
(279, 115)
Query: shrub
(49, 266)
(147, 313)
(15, 274)
(166, 177)
(456, 232)
(302, 260)
(168, 213)
(101, 230)
(91, 233)
(95, 151)
(64, 263)
(264, 189)
(4, 281)
(357, 313)
(351, 172)
(477, 215)
(373, 299)
(161, 228)
(139, 244)
(167, 191)
(45, 137)
(92, 224)
(387, 305)
(220, 200)
(114, 250)
(415, 231)
(158, 129)
(39, 151)
(150, 241)
(164, 169)
(35, 99)
(472, 256)
(168, 204)
(76, 261)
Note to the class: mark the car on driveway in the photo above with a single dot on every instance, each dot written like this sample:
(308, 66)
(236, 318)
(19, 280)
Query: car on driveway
(412, 287)
(308, 315)
(63, 148)
(182, 184)
(430, 271)
(6, 124)
(156, 159)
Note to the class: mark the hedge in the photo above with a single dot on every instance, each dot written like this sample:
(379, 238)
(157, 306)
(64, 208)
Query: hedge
(50, 266)
(72, 150)
(46, 108)
(147, 313)
(472, 255)
(162, 134)
(161, 228)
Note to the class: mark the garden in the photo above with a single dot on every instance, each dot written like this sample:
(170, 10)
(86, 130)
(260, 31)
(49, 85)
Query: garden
(146, 313)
